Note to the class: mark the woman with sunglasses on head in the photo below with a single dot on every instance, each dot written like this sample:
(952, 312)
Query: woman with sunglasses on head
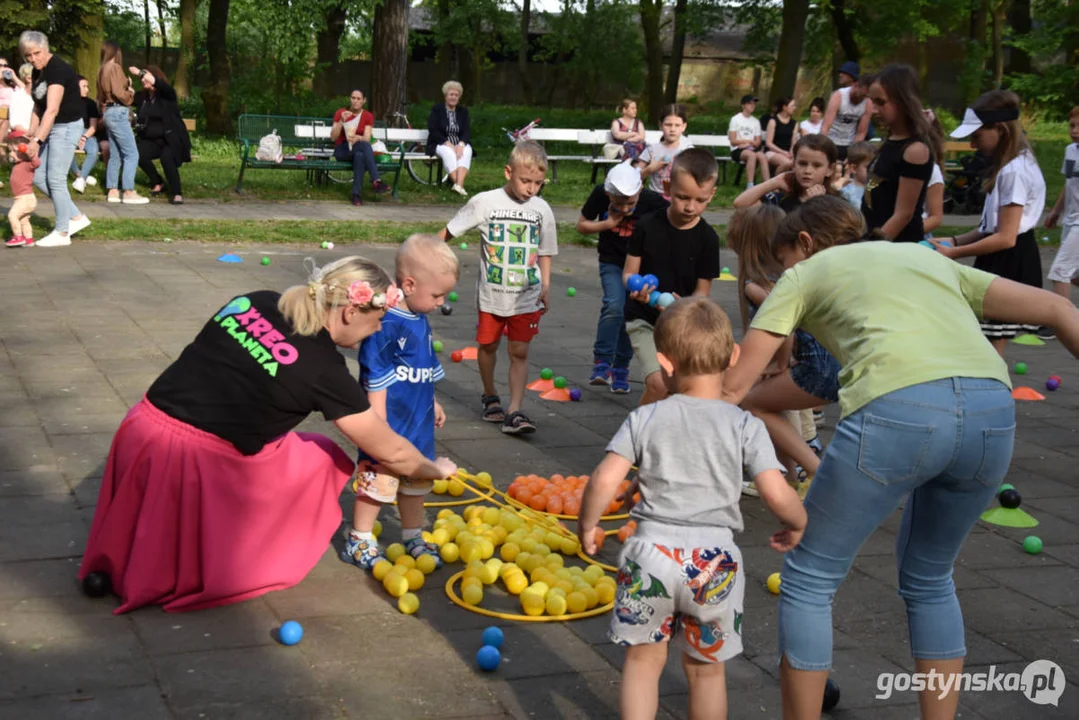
(899, 175)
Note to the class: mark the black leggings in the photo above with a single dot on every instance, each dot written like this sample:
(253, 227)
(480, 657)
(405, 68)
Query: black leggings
(157, 149)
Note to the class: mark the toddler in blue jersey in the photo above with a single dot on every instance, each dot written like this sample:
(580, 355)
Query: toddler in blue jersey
(399, 369)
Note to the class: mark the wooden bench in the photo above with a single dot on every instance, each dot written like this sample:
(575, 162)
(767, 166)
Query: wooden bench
(598, 138)
(952, 150)
(307, 146)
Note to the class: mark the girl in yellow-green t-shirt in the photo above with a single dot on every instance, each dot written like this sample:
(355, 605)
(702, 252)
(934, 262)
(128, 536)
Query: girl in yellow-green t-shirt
(927, 417)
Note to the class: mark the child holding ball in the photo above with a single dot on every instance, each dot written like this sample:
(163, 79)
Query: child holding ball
(399, 369)
(814, 158)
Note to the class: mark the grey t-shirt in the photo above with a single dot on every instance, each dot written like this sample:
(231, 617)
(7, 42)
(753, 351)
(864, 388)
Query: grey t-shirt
(691, 455)
(513, 237)
(666, 154)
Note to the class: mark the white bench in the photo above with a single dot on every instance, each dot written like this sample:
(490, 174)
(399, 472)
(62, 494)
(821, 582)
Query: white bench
(562, 135)
(598, 138)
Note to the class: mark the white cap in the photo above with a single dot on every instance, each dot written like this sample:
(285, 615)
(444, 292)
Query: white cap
(973, 120)
(623, 179)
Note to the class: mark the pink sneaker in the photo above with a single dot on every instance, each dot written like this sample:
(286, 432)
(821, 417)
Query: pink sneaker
(17, 241)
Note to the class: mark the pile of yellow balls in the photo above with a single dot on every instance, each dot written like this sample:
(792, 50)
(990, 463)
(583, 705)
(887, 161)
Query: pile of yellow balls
(401, 575)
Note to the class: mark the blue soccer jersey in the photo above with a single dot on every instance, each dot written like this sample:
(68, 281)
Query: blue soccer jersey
(400, 359)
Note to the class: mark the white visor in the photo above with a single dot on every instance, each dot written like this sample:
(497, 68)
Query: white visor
(971, 122)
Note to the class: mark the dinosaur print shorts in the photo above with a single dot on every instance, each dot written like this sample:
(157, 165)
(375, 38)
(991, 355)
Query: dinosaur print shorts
(690, 595)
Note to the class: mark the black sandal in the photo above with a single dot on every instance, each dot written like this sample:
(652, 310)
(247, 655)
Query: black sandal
(492, 409)
(518, 424)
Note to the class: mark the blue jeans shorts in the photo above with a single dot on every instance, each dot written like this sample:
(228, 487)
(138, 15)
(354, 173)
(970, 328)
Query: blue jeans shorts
(815, 370)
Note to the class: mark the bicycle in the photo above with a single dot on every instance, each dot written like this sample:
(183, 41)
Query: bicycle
(418, 165)
(521, 135)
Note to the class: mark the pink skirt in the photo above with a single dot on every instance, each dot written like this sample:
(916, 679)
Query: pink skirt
(186, 521)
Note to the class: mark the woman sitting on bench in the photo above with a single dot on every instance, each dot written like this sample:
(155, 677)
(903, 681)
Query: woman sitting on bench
(351, 134)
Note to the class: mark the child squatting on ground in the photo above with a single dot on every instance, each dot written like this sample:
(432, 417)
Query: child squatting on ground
(22, 189)
(680, 576)
(399, 369)
(679, 249)
(518, 237)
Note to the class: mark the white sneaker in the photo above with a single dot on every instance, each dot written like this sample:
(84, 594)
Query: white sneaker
(459, 190)
(54, 239)
(113, 198)
(749, 489)
(91, 181)
(134, 199)
(79, 185)
(75, 225)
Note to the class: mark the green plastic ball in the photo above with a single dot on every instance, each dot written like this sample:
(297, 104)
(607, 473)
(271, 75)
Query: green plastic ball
(726, 270)
(1020, 368)
(572, 292)
(452, 297)
(1032, 544)
(1005, 486)
(560, 382)
(265, 261)
(464, 246)
(323, 246)
(546, 373)
(437, 345)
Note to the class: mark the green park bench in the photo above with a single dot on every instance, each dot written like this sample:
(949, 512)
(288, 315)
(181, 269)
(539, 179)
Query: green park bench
(307, 146)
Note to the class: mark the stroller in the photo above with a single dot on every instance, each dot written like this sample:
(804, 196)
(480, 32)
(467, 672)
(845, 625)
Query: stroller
(963, 193)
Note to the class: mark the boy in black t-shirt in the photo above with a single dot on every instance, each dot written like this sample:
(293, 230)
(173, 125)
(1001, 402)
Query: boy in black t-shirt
(680, 249)
(613, 210)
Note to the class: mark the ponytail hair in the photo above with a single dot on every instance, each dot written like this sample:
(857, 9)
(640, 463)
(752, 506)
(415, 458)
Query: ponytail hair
(828, 219)
(307, 307)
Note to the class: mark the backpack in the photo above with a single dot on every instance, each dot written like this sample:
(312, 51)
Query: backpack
(270, 148)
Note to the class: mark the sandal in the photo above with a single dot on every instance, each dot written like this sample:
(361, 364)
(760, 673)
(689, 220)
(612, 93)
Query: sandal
(518, 424)
(492, 409)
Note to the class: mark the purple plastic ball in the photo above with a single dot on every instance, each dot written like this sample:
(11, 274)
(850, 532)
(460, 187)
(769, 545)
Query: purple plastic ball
(1052, 384)
(575, 395)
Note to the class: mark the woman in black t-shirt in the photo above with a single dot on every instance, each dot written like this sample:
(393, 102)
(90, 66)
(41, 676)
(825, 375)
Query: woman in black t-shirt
(160, 133)
(208, 496)
(780, 135)
(899, 175)
(91, 119)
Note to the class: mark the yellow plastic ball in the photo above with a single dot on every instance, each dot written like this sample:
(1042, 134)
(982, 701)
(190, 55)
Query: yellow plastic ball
(449, 552)
(408, 603)
(556, 604)
(407, 560)
(533, 562)
(521, 559)
(506, 568)
(605, 580)
(516, 582)
(470, 580)
(426, 564)
(427, 537)
(456, 489)
(395, 584)
(377, 529)
(540, 588)
(541, 549)
(471, 551)
(528, 545)
(576, 602)
(472, 595)
(553, 540)
(575, 570)
(444, 513)
(564, 585)
(604, 593)
(451, 533)
(488, 575)
(562, 573)
(395, 551)
(774, 583)
(483, 479)
(592, 573)
(569, 546)
(381, 569)
(540, 574)
(487, 548)
(441, 536)
(592, 596)
(555, 562)
(440, 487)
(492, 516)
(464, 536)
(415, 579)
(532, 603)
(509, 551)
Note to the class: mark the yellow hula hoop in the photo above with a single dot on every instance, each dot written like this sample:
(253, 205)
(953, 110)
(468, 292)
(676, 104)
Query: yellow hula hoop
(462, 475)
(520, 617)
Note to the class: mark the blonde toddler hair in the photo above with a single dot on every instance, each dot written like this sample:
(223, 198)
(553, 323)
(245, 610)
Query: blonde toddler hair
(423, 252)
(529, 154)
(695, 334)
(307, 307)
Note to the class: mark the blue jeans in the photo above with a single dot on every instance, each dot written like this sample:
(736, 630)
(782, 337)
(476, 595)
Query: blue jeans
(88, 162)
(51, 176)
(362, 158)
(612, 343)
(122, 149)
(944, 447)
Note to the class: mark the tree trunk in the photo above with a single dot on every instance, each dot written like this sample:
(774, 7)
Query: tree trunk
(164, 32)
(215, 97)
(678, 49)
(844, 30)
(328, 47)
(653, 53)
(187, 49)
(1000, 13)
(477, 56)
(1019, 18)
(87, 54)
(389, 51)
(447, 51)
(789, 55)
(522, 52)
(149, 31)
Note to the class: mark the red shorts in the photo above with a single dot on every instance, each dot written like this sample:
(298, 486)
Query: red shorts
(518, 328)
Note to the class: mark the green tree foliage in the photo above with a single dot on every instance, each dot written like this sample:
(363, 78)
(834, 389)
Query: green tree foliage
(1053, 45)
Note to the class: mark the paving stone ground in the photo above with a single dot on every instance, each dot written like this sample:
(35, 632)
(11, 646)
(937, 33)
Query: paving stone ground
(85, 330)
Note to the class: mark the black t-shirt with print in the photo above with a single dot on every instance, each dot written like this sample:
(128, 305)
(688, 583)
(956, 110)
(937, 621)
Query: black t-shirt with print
(678, 258)
(612, 243)
(89, 112)
(882, 191)
(248, 379)
(57, 72)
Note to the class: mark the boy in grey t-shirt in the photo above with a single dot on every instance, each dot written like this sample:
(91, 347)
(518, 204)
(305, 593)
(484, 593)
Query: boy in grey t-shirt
(680, 577)
(518, 236)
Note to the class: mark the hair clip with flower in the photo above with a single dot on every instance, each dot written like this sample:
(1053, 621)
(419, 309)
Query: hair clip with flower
(361, 294)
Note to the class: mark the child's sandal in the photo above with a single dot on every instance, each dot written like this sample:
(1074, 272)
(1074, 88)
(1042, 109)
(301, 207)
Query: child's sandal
(518, 424)
(492, 409)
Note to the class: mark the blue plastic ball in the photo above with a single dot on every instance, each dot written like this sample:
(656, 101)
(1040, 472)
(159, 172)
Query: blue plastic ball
(651, 280)
(634, 283)
(290, 633)
(575, 395)
(927, 244)
(488, 658)
(493, 636)
(654, 297)
(664, 300)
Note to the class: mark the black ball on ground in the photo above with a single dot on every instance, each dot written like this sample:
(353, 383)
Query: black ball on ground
(831, 695)
(96, 584)
(446, 309)
(1010, 499)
